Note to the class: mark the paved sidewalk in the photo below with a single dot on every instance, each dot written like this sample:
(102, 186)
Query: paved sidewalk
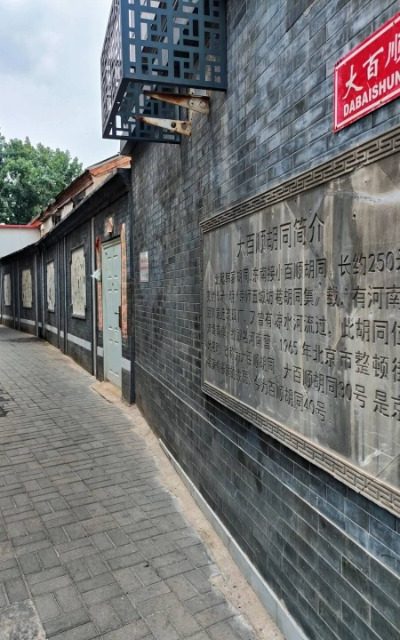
(87, 532)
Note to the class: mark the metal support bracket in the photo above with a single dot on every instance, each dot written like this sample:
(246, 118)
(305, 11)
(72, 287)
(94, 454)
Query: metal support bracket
(184, 127)
(201, 104)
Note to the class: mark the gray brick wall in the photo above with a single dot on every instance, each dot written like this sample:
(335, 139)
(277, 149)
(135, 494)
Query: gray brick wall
(53, 253)
(331, 555)
(27, 262)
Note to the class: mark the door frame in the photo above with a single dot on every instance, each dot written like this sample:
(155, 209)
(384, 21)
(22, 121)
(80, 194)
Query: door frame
(104, 246)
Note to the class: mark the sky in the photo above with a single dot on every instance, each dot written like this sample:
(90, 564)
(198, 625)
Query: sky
(50, 74)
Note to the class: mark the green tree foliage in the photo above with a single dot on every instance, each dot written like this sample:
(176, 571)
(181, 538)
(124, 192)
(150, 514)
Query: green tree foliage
(30, 176)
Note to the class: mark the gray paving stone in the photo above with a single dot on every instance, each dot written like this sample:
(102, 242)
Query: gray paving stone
(30, 563)
(16, 590)
(161, 626)
(47, 574)
(9, 574)
(101, 541)
(96, 565)
(181, 586)
(183, 621)
(124, 609)
(83, 632)
(100, 580)
(48, 558)
(66, 621)
(102, 594)
(51, 585)
(68, 598)
(118, 537)
(127, 579)
(225, 631)
(159, 603)
(104, 617)
(204, 601)
(78, 570)
(175, 569)
(3, 598)
(151, 591)
(146, 574)
(86, 529)
(135, 631)
(214, 614)
(47, 607)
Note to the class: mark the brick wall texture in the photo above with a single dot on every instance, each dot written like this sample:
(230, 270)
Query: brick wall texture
(331, 555)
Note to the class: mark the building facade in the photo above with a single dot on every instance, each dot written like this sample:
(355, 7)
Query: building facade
(326, 552)
(54, 289)
(261, 303)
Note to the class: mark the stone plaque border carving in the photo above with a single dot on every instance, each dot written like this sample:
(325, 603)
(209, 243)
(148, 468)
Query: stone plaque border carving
(376, 490)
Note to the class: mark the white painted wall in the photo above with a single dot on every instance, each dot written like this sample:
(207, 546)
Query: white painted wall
(15, 238)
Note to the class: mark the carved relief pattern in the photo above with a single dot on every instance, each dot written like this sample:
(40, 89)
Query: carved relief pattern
(365, 154)
(51, 287)
(78, 282)
(27, 289)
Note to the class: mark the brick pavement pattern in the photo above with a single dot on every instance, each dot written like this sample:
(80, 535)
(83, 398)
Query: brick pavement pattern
(86, 530)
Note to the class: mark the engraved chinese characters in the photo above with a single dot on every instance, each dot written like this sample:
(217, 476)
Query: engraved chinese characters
(78, 282)
(26, 281)
(301, 317)
(51, 287)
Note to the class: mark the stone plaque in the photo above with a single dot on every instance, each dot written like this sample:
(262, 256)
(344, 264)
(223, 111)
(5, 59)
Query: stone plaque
(78, 282)
(144, 266)
(50, 287)
(301, 322)
(7, 290)
(26, 281)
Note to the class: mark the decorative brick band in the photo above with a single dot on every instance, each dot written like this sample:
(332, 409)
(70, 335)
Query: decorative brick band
(384, 145)
(340, 468)
(370, 486)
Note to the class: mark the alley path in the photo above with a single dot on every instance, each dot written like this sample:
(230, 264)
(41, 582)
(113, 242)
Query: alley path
(91, 544)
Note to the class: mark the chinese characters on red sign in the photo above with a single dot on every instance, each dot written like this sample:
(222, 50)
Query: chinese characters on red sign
(369, 76)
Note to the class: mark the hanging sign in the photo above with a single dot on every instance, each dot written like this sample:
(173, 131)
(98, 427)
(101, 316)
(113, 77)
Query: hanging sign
(368, 76)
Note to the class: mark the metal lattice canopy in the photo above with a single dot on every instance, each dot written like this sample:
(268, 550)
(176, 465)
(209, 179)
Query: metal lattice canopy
(158, 46)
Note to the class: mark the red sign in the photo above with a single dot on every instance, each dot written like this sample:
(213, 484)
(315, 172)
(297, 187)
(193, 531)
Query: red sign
(369, 76)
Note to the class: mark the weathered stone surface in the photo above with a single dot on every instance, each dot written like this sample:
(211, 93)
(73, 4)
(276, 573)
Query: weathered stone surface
(21, 622)
(301, 315)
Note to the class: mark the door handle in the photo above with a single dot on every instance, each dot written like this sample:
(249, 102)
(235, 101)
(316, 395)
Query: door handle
(120, 317)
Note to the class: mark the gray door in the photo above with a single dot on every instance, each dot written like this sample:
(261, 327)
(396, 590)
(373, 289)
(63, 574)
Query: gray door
(111, 277)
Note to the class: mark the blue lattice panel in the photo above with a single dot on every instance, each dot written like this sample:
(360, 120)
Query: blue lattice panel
(179, 42)
(111, 62)
(123, 124)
